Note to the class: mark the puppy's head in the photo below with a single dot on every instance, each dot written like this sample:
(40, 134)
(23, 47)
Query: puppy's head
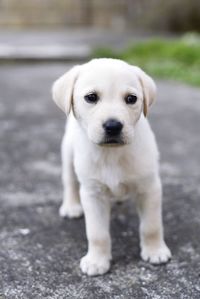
(107, 97)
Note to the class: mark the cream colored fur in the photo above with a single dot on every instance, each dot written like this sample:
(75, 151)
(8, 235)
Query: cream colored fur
(95, 176)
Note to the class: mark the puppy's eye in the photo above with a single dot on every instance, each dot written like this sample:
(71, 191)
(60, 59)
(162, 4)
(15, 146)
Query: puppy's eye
(131, 99)
(91, 98)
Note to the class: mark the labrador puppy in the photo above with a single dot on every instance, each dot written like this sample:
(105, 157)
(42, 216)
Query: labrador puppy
(109, 153)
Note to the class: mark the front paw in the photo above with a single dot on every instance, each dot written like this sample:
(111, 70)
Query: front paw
(94, 266)
(71, 210)
(156, 254)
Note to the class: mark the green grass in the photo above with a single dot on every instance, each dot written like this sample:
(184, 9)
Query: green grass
(177, 59)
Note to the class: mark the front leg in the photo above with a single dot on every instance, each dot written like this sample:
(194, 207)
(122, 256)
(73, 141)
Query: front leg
(149, 203)
(97, 219)
(71, 206)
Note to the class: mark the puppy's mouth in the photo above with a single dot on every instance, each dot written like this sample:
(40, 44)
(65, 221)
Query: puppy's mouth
(112, 142)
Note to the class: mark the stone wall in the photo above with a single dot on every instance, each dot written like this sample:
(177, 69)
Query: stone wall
(172, 15)
(101, 13)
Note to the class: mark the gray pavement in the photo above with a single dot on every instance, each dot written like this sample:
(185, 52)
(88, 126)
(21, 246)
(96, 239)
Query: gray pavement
(39, 252)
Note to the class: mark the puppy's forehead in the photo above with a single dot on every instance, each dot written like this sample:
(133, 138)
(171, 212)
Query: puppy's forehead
(102, 73)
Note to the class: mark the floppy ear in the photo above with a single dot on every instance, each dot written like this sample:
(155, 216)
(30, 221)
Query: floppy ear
(62, 90)
(148, 87)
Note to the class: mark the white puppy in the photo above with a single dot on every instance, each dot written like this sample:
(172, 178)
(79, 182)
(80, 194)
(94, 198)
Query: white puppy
(109, 153)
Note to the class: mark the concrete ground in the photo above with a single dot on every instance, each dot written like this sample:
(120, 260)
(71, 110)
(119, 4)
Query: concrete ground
(39, 252)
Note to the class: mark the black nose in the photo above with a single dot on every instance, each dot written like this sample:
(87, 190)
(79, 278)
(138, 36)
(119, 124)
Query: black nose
(112, 127)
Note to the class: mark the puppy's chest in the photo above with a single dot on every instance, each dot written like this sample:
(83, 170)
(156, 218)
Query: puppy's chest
(116, 174)
(113, 171)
